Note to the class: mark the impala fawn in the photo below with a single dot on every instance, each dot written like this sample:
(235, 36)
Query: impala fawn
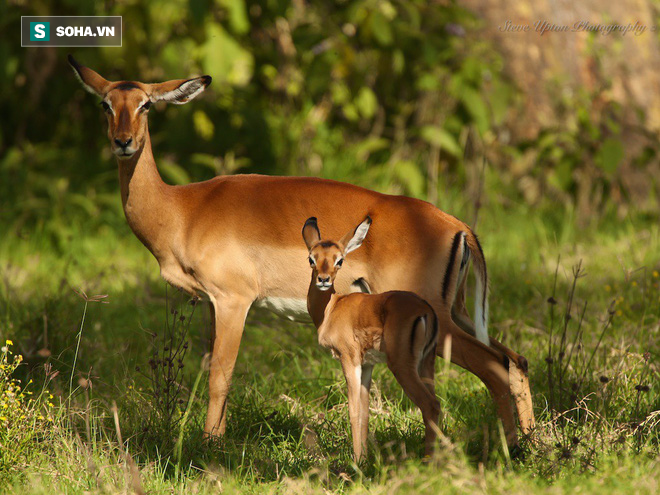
(395, 327)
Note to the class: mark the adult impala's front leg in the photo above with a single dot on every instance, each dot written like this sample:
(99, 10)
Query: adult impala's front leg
(230, 313)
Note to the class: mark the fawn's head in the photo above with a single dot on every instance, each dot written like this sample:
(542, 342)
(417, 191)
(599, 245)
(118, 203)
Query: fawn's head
(126, 104)
(326, 256)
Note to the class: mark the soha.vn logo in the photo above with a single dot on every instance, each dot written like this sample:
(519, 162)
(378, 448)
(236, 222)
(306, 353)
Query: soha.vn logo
(40, 31)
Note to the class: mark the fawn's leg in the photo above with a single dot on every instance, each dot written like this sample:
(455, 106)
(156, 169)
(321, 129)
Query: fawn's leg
(353, 374)
(405, 372)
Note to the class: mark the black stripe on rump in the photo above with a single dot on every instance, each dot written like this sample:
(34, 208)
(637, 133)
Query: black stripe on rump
(412, 334)
(466, 253)
(450, 266)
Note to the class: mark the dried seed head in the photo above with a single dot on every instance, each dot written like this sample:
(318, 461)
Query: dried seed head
(604, 379)
(549, 360)
(552, 301)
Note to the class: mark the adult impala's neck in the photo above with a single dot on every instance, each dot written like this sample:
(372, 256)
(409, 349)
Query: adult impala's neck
(317, 301)
(147, 200)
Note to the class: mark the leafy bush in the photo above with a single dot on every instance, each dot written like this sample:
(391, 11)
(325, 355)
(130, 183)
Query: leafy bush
(24, 420)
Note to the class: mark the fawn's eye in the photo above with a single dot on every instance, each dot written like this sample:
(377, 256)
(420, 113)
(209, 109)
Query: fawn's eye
(146, 106)
(106, 107)
(339, 262)
(312, 263)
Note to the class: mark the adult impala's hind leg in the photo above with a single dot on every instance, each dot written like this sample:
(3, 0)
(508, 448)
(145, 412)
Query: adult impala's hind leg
(486, 363)
(365, 387)
(230, 313)
(518, 374)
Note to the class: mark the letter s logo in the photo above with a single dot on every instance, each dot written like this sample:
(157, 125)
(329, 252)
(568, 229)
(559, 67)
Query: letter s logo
(40, 31)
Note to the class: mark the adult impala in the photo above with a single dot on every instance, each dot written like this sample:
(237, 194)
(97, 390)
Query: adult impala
(236, 239)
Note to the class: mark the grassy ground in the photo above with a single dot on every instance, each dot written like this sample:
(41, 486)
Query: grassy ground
(106, 414)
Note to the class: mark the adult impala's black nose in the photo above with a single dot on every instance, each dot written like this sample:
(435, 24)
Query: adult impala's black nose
(123, 144)
(323, 280)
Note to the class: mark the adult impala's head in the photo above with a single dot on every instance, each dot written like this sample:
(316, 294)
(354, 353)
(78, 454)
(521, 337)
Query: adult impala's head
(126, 104)
(325, 256)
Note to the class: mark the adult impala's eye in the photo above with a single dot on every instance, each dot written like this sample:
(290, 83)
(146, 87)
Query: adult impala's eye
(311, 261)
(146, 106)
(106, 107)
(339, 262)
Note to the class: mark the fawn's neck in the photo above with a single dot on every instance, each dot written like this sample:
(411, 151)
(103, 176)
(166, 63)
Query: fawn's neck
(317, 301)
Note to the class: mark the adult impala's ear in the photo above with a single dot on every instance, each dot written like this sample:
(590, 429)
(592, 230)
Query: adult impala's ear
(310, 232)
(354, 240)
(90, 80)
(179, 91)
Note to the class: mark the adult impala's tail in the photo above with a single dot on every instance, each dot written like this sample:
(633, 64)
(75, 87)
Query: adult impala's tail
(464, 246)
(481, 288)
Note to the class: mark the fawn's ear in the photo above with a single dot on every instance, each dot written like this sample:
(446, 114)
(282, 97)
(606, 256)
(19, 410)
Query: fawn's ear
(352, 241)
(179, 91)
(310, 232)
(91, 81)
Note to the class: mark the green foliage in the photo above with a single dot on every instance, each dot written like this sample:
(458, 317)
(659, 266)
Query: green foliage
(360, 91)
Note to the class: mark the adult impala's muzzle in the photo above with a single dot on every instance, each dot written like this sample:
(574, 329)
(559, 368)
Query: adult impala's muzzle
(123, 148)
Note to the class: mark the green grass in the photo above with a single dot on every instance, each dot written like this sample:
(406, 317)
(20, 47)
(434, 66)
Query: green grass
(288, 423)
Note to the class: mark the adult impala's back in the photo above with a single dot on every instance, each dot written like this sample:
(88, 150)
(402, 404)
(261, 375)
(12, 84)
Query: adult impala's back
(236, 240)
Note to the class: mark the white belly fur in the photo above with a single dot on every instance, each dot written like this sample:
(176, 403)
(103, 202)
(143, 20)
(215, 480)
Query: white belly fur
(287, 307)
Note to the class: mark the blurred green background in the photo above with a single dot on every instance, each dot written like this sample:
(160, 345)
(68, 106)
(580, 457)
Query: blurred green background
(425, 98)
